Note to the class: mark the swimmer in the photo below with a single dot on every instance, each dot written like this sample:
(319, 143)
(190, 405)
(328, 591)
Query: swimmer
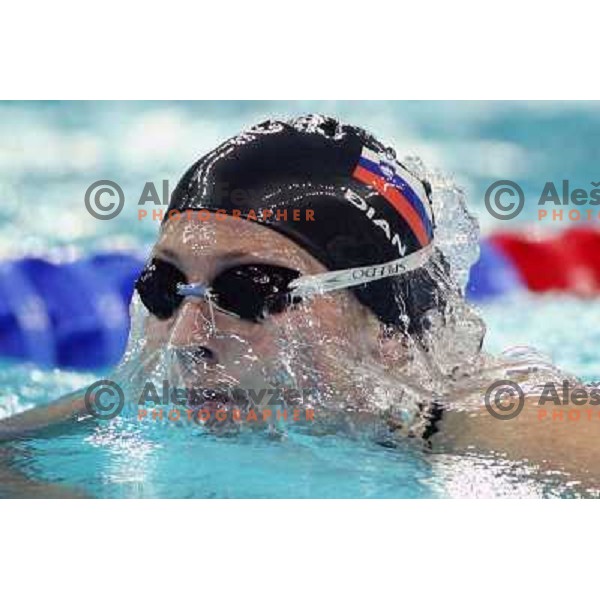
(347, 302)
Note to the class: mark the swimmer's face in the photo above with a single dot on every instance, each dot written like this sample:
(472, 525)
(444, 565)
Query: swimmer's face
(304, 346)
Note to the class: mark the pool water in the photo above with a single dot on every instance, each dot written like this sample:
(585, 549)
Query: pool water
(120, 461)
(563, 328)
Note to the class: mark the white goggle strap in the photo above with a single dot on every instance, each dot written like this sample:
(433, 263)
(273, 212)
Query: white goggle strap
(309, 285)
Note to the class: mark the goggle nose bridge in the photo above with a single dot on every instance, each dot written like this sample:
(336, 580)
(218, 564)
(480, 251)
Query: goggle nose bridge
(194, 290)
(201, 291)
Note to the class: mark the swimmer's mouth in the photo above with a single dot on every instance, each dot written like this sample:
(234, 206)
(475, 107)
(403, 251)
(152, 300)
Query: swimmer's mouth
(212, 399)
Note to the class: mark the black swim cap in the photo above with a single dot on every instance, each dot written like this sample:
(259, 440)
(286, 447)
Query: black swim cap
(367, 207)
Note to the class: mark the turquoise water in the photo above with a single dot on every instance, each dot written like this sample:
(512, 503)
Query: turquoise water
(122, 461)
(52, 152)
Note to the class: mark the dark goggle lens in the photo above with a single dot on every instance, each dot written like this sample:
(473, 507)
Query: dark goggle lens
(157, 288)
(252, 292)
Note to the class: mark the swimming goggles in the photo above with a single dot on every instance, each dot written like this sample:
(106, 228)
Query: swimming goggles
(254, 291)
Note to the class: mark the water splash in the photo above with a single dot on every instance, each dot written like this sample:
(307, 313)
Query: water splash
(440, 362)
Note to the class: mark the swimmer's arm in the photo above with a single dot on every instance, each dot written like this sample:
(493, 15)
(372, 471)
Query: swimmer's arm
(569, 447)
(69, 407)
(14, 484)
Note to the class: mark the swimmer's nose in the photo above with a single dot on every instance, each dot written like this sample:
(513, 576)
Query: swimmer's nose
(193, 333)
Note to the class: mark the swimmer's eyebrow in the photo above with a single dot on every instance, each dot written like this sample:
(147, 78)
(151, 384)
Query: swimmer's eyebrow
(233, 255)
(173, 257)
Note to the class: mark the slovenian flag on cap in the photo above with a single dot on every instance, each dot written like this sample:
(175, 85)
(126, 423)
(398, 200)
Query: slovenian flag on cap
(398, 187)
